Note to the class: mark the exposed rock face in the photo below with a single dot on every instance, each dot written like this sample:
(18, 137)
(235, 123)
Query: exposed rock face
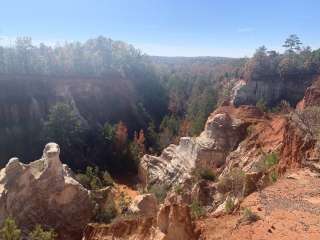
(311, 97)
(145, 205)
(134, 229)
(272, 90)
(173, 222)
(44, 192)
(221, 135)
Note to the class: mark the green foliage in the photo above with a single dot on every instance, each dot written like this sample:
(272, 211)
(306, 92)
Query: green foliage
(153, 140)
(94, 179)
(63, 125)
(271, 159)
(196, 210)
(292, 43)
(273, 176)
(108, 131)
(296, 60)
(205, 174)
(229, 205)
(261, 104)
(39, 234)
(178, 189)
(202, 102)
(248, 216)
(9, 230)
(160, 191)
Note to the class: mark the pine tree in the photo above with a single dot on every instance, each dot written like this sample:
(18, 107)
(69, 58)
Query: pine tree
(10, 231)
(39, 234)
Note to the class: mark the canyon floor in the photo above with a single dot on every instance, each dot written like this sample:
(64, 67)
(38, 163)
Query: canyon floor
(288, 210)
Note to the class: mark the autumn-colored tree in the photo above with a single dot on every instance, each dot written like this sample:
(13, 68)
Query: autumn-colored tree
(141, 142)
(184, 128)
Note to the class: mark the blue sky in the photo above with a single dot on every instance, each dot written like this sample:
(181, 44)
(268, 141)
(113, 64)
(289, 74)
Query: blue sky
(233, 28)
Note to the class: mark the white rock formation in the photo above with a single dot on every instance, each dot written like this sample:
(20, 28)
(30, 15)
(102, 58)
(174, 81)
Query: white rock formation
(44, 192)
(221, 135)
(144, 205)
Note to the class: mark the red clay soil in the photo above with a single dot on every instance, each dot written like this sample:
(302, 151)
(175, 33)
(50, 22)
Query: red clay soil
(288, 210)
(273, 132)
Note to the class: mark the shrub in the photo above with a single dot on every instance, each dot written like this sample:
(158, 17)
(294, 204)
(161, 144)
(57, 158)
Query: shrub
(94, 179)
(39, 234)
(261, 104)
(229, 206)
(9, 230)
(160, 191)
(249, 216)
(207, 174)
(178, 189)
(273, 176)
(196, 210)
(271, 159)
(267, 162)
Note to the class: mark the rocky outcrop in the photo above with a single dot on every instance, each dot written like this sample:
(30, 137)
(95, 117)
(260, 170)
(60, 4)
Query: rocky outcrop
(172, 222)
(145, 205)
(175, 223)
(221, 135)
(126, 229)
(44, 192)
(272, 90)
(311, 97)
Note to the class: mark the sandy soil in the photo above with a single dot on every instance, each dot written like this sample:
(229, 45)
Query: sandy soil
(289, 210)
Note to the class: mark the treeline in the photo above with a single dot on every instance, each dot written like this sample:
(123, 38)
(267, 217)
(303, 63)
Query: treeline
(94, 57)
(160, 99)
(296, 60)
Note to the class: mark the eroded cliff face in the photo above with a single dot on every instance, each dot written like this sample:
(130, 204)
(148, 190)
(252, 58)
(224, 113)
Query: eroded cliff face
(311, 97)
(173, 221)
(44, 192)
(272, 90)
(221, 135)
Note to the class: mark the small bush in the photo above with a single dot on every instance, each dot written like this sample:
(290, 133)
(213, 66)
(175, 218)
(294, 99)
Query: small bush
(249, 216)
(196, 210)
(261, 104)
(271, 159)
(9, 230)
(94, 179)
(267, 162)
(207, 174)
(229, 206)
(273, 176)
(178, 189)
(39, 234)
(160, 191)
